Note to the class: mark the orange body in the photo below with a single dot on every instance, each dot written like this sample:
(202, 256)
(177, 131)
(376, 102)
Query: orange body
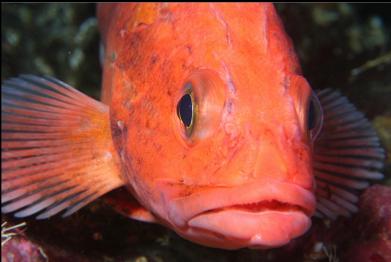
(249, 148)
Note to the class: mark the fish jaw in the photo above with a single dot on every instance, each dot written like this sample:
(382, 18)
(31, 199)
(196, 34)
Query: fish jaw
(239, 228)
(256, 215)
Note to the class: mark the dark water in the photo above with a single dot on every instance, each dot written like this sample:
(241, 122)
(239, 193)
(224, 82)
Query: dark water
(333, 42)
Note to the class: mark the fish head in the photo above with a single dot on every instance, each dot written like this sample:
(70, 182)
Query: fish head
(209, 115)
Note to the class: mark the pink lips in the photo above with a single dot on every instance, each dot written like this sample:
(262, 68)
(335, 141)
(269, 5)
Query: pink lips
(258, 214)
(263, 229)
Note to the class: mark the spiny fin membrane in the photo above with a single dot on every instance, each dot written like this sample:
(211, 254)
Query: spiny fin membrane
(347, 156)
(57, 151)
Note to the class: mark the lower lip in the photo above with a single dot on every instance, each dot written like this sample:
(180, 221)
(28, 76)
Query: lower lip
(248, 229)
(183, 209)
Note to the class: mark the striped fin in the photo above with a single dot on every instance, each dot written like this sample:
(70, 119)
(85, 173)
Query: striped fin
(347, 156)
(57, 152)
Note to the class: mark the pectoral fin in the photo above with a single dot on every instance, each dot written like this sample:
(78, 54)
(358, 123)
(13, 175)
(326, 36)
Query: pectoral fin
(124, 203)
(57, 150)
(347, 156)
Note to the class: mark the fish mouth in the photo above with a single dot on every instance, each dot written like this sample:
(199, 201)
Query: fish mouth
(233, 229)
(257, 225)
(256, 215)
(262, 206)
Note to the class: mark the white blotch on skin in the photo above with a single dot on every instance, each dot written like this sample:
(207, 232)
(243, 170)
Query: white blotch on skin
(256, 239)
(231, 129)
(120, 124)
(107, 156)
(122, 33)
(122, 155)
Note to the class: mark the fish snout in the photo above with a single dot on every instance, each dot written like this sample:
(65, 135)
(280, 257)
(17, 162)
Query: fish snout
(286, 160)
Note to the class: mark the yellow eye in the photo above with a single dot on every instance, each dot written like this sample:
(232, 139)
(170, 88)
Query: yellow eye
(186, 110)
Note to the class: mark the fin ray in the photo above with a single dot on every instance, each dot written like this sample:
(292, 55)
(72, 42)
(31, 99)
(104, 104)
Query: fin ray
(28, 170)
(38, 151)
(347, 156)
(37, 107)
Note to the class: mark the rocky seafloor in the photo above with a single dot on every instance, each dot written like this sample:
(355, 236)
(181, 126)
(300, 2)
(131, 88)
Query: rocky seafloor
(344, 46)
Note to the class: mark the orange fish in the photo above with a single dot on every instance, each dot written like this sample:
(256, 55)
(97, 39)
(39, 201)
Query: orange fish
(206, 121)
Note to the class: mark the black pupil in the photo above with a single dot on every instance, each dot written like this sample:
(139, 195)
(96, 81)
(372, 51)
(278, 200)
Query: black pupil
(185, 110)
(311, 116)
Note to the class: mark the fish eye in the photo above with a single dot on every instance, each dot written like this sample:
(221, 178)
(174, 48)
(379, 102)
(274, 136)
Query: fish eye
(311, 115)
(185, 110)
(315, 117)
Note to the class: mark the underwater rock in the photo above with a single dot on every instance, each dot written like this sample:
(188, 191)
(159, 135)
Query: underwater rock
(21, 249)
(18, 246)
(372, 227)
(375, 213)
(370, 251)
(364, 237)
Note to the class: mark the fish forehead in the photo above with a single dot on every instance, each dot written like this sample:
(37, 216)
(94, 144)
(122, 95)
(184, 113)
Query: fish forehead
(208, 28)
(158, 45)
